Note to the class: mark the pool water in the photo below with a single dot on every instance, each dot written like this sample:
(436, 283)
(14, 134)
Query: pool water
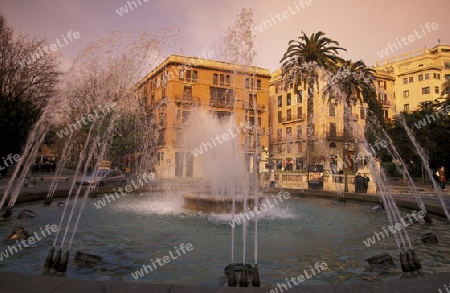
(134, 230)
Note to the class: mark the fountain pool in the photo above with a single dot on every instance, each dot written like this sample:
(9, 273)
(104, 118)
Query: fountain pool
(135, 229)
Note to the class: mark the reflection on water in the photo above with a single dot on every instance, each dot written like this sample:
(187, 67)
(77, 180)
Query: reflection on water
(294, 235)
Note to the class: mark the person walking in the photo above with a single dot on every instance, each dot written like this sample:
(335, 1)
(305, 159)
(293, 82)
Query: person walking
(441, 176)
(365, 183)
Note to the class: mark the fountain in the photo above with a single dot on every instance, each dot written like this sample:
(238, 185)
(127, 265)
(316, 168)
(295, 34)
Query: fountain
(124, 239)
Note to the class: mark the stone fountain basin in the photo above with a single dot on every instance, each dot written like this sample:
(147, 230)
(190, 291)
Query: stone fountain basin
(207, 204)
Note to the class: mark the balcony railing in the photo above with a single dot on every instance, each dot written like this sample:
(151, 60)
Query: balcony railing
(178, 124)
(176, 143)
(187, 99)
(335, 135)
(259, 107)
(293, 119)
(386, 103)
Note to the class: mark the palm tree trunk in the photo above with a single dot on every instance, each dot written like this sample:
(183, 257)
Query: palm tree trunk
(309, 122)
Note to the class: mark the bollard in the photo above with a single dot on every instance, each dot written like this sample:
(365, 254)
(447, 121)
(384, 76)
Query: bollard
(34, 180)
(25, 183)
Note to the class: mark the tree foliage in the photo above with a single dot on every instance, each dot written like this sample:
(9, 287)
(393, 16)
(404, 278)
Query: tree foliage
(26, 85)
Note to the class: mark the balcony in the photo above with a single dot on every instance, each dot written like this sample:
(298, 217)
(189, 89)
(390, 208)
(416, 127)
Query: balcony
(162, 124)
(353, 117)
(222, 103)
(335, 135)
(259, 107)
(178, 124)
(176, 143)
(187, 100)
(292, 119)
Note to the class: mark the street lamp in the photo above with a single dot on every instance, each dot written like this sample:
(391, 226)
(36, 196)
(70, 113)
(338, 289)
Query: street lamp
(344, 165)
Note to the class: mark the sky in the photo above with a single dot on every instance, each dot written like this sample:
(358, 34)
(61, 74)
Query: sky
(363, 27)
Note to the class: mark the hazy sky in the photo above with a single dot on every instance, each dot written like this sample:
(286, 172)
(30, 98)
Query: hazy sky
(363, 27)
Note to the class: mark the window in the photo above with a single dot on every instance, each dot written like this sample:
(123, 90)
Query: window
(447, 65)
(382, 97)
(362, 113)
(420, 77)
(299, 112)
(299, 148)
(299, 97)
(427, 76)
(181, 73)
(194, 76)
(247, 83)
(185, 116)
(405, 94)
(385, 114)
(447, 77)
(252, 83)
(280, 101)
(188, 75)
(280, 117)
(411, 79)
(251, 119)
(436, 90)
(406, 107)
(288, 115)
(405, 80)
(279, 134)
(221, 96)
(332, 129)
(289, 133)
(258, 84)
(187, 93)
(425, 90)
(332, 109)
(436, 76)
(215, 78)
(288, 99)
(299, 132)
(222, 79)
(227, 80)
(252, 99)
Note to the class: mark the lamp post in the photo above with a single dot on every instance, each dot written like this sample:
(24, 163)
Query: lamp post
(344, 165)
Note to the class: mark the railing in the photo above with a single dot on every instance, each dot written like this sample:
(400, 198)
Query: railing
(292, 119)
(176, 143)
(222, 104)
(178, 124)
(335, 135)
(259, 107)
(187, 99)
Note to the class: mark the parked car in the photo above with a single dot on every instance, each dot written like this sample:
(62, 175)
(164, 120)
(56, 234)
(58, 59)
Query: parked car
(103, 178)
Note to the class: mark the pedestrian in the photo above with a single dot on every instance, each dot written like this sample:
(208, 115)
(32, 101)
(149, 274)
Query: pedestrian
(441, 176)
(358, 183)
(341, 175)
(365, 183)
(272, 178)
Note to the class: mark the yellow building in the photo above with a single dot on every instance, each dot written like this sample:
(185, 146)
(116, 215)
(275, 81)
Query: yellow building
(418, 76)
(289, 137)
(181, 85)
(385, 89)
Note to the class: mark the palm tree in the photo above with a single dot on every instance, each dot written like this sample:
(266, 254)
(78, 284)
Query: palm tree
(352, 83)
(301, 64)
